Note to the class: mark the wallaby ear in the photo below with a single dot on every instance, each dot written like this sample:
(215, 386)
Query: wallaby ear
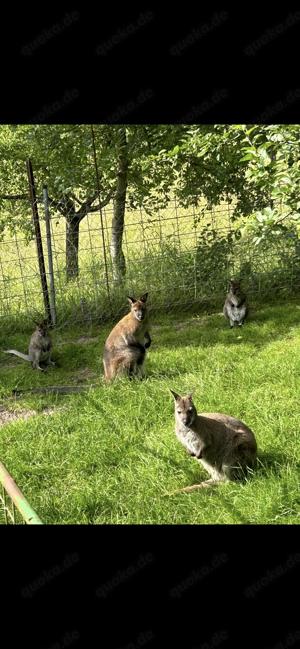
(143, 298)
(131, 300)
(175, 395)
(190, 396)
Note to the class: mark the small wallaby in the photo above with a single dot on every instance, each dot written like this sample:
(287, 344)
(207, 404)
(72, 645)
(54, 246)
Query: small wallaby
(125, 347)
(225, 446)
(40, 347)
(235, 308)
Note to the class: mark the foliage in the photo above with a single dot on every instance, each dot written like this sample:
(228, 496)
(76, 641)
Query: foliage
(272, 156)
(213, 256)
(256, 168)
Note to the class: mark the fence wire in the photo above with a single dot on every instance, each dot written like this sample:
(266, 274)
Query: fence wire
(182, 256)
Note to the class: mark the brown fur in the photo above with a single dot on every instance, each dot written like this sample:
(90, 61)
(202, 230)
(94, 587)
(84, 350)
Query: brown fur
(125, 347)
(225, 446)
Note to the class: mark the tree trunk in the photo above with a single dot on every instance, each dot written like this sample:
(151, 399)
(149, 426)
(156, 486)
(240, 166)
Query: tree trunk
(117, 226)
(66, 206)
(72, 244)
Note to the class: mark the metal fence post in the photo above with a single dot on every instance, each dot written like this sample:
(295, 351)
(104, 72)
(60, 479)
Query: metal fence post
(19, 501)
(38, 239)
(50, 259)
(100, 210)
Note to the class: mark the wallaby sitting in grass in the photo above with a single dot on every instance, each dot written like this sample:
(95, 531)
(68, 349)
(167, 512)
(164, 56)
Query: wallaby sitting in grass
(235, 308)
(125, 347)
(40, 347)
(225, 446)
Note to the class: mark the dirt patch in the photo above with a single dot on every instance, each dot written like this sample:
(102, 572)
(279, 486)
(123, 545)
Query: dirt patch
(51, 411)
(7, 416)
(202, 321)
(87, 339)
(183, 325)
(79, 341)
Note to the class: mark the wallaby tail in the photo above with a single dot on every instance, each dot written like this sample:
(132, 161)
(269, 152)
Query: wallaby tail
(14, 351)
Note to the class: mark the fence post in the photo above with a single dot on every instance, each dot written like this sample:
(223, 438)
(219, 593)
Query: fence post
(100, 211)
(50, 259)
(19, 500)
(38, 239)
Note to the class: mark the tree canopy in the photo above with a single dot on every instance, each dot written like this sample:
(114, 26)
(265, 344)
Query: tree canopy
(255, 167)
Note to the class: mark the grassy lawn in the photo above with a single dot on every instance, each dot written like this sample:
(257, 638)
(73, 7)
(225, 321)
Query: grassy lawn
(110, 455)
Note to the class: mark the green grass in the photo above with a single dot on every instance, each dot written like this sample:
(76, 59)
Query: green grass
(110, 455)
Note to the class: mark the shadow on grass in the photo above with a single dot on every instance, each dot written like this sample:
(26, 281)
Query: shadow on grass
(274, 462)
(269, 462)
(212, 330)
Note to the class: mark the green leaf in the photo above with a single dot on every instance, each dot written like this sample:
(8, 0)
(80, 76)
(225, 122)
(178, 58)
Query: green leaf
(249, 156)
(250, 130)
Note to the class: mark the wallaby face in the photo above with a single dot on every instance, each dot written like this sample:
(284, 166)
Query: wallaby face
(42, 327)
(138, 307)
(185, 411)
(234, 286)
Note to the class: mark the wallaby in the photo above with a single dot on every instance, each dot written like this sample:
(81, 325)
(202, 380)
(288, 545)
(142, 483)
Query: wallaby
(235, 308)
(40, 347)
(225, 446)
(125, 347)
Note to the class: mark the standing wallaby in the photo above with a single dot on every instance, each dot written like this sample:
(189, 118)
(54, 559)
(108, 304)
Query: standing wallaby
(40, 347)
(125, 347)
(235, 308)
(225, 446)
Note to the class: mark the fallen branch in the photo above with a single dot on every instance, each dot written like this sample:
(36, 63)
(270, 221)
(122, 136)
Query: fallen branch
(61, 389)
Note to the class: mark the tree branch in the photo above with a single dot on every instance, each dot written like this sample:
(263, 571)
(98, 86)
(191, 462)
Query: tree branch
(65, 205)
(57, 205)
(88, 207)
(285, 216)
(15, 197)
(76, 199)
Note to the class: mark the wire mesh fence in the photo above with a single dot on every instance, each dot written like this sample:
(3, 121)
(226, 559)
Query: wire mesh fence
(178, 260)
(182, 256)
